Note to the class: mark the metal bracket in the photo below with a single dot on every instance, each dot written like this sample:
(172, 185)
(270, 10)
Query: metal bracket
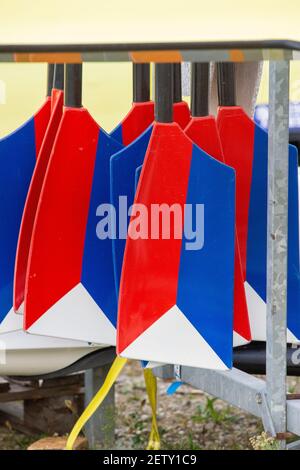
(261, 400)
(293, 445)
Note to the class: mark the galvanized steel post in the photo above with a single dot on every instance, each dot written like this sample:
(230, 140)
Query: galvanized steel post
(277, 244)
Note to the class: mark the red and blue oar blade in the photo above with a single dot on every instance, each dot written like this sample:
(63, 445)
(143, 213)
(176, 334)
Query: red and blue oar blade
(122, 173)
(70, 291)
(32, 199)
(176, 298)
(236, 132)
(203, 132)
(18, 152)
(256, 285)
(245, 147)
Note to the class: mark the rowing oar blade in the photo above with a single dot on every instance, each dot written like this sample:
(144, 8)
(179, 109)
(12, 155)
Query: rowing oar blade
(18, 153)
(122, 175)
(32, 199)
(245, 147)
(69, 290)
(203, 132)
(139, 118)
(181, 114)
(176, 303)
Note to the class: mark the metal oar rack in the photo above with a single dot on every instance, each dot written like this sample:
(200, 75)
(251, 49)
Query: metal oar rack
(268, 398)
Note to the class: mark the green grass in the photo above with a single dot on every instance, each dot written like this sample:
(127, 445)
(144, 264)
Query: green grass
(208, 412)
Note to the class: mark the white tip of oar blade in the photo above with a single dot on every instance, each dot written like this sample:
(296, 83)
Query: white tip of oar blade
(11, 322)
(257, 314)
(291, 338)
(21, 340)
(76, 316)
(151, 364)
(239, 340)
(172, 339)
(257, 311)
(20, 310)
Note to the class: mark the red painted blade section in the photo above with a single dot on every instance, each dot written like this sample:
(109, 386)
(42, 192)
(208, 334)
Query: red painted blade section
(167, 161)
(33, 196)
(236, 132)
(204, 132)
(181, 114)
(137, 120)
(55, 258)
(41, 119)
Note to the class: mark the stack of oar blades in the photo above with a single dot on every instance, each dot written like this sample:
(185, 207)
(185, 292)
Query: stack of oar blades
(245, 147)
(19, 152)
(25, 354)
(35, 187)
(171, 311)
(203, 130)
(63, 296)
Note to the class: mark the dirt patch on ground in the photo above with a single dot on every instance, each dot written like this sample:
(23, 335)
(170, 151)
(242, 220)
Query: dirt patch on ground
(189, 419)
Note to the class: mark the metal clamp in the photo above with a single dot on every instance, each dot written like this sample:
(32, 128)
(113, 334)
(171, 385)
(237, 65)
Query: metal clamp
(261, 400)
(177, 372)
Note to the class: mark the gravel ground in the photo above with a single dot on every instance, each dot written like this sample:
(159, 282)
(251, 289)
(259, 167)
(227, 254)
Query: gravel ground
(189, 419)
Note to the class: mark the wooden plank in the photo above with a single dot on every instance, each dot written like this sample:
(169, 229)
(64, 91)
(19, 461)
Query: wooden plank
(74, 379)
(4, 385)
(18, 392)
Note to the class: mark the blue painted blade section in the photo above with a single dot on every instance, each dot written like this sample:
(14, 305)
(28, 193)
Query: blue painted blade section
(257, 229)
(122, 174)
(137, 176)
(293, 288)
(117, 134)
(97, 267)
(17, 160)
(257, 218)
(205, 285)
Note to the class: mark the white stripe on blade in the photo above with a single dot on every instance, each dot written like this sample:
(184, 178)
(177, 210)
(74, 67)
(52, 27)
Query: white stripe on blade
(20, 310)
(172, 339)
(257, 310)
(257, 314)
(238, 340)
(76, 316)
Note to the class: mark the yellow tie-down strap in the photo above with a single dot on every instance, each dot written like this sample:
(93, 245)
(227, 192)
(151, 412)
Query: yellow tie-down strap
(151, 387)
(114, 372)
